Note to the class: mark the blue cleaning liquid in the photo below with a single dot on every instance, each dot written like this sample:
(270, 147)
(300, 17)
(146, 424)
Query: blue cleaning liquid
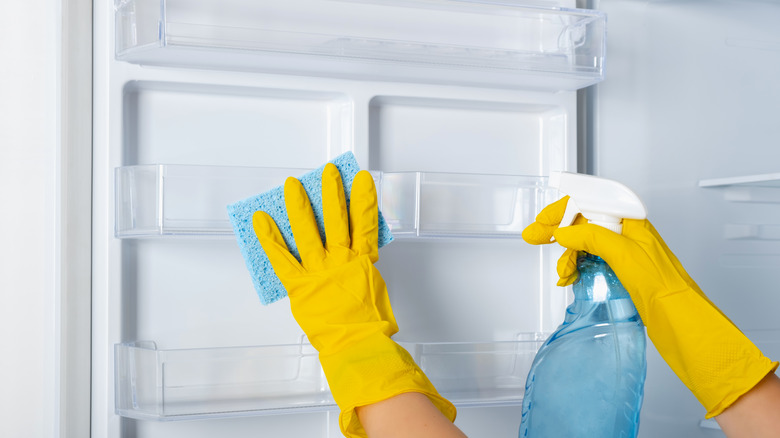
(587, 379)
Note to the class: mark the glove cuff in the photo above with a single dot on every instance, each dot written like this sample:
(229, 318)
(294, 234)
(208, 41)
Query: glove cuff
(374, 370)
(709, 354)
(752, 370)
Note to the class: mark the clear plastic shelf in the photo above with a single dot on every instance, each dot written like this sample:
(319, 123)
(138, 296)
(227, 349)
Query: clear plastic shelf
(169, 200)
(761, 188)
(155, 384)
(752, 232)
(771, 180)
(428, 204)
(183, 200)
(479, 373)
(749, 189)
(496, 44)
(158, 384)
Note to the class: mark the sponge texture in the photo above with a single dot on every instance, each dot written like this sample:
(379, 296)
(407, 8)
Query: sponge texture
(266, 283)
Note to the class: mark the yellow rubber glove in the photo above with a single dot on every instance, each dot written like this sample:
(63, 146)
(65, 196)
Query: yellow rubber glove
(339, 298)
(702, 346)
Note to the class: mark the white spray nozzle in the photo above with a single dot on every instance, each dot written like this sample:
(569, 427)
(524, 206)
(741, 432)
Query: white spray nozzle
(602, 201)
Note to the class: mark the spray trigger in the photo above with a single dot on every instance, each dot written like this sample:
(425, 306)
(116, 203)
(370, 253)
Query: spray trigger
(601, 201)
(569, 215)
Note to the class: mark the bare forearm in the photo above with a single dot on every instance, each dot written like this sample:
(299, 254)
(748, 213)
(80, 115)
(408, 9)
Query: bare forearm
(408, 415)
(755, 414)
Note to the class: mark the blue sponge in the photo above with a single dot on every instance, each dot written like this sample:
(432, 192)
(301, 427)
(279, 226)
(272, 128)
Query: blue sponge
(267, 284)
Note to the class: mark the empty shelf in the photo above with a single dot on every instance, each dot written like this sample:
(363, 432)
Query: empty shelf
(183, 200)
(748, 189)
(428, 204)
(479, 374)
(762, 188)
(761, 180)
(169, 200)
(220, 382)
(441, 41)
(185, 384)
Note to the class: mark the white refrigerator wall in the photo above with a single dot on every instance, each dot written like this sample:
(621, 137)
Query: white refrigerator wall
(45, 176)
(693, 94)
(28, 190)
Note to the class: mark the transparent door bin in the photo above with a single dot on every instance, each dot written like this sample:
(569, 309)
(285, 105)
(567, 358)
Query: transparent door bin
(446, 204)
(479, 374)
(463, 42)
(154, 384)
(218, 382)
(171, 200)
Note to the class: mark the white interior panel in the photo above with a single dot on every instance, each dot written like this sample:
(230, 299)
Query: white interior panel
(224, 125)
(448, 291)
(444, 135)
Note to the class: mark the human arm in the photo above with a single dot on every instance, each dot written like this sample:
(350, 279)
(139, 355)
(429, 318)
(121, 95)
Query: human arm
(408, 415)
(340, 300)
(754, 415)
(701, 345)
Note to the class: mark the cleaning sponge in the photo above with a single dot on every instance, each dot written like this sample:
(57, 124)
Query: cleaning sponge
(267, 284)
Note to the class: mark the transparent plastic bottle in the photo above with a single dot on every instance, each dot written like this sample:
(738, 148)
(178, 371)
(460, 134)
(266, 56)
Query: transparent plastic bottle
(587, 380)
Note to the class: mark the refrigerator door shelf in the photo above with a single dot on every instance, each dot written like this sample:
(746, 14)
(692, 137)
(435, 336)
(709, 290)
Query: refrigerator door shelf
(495, 44)
(474, 374)
(158, 384)
(185, 200)
(187, 384)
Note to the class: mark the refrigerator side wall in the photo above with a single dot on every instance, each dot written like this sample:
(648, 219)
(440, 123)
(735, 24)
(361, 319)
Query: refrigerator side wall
(45, 132)
(692, 94)
(28, 133)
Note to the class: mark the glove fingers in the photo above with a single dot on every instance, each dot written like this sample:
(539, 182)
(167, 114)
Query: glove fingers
(284, 263)
(334, 208)
(541, 231)
(303, 224)
(595, 240)
(567, 268)
(364, 216)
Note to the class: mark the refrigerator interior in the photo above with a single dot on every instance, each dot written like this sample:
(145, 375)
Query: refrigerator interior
(200, 108)
(459, 113)
(687, 118)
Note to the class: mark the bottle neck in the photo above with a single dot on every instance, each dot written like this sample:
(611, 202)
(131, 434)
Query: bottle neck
(597, 281)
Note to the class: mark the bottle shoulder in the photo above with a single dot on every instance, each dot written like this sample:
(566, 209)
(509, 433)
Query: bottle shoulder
(589, 312)
(587, 329)
(591, 319)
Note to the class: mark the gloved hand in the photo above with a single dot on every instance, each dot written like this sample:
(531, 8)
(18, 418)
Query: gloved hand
(701, 345)
(339, 298)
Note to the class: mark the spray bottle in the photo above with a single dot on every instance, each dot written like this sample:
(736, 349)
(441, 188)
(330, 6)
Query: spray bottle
(587, 379)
